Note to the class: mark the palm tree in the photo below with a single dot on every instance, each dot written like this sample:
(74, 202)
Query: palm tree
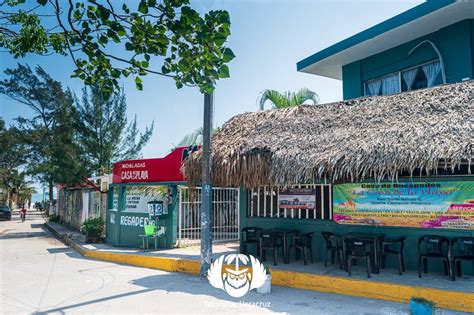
(193, 138)
(288, 99)
(19, 186)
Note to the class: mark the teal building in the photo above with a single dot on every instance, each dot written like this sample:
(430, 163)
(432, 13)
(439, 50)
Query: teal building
(137, 186)
(430, 44)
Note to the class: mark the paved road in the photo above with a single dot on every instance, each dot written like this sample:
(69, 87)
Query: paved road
(41, 275)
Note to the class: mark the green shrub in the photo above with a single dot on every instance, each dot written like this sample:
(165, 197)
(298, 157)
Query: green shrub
(54, 218)
(93, 226)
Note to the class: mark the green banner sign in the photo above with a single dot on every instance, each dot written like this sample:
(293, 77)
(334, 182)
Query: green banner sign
(448, 204)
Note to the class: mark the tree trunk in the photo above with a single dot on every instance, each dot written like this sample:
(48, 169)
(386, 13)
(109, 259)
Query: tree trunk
(9, 199)
(51, 197)
(206, 206)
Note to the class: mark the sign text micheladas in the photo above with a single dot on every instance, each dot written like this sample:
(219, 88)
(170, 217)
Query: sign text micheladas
(166, 169)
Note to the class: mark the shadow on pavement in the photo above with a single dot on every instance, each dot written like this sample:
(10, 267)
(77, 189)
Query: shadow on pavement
(62, 309)
(170, 282)
(282, 299)
(59, 250)
(22, 235)
(37, 226)
(41, 231)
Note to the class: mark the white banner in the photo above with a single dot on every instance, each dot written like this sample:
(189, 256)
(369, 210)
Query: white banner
(137, 201)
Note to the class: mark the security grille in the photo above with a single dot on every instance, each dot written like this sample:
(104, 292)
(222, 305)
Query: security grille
(225, 207)
(264, 202)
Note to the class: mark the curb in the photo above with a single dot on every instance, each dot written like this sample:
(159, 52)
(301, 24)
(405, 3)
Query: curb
(454, 300)
(66, 240)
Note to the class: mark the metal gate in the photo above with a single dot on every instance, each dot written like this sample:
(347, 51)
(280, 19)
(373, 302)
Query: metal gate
(225, 208)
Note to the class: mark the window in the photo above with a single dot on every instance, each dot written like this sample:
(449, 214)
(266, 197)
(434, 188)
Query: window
(293, 202)
(94, 209)
(419, 77)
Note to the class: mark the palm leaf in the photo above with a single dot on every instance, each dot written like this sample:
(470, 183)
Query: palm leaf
(287, 99)
(194, 138)
(303, 95)
(278, 99)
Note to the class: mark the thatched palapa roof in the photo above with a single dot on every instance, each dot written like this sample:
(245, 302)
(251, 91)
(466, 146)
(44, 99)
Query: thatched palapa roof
(368, 137)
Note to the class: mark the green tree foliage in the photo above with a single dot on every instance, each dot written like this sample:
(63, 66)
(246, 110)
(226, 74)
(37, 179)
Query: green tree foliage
(67, 159)
(20, 186)
(191, 48)
(104, 132)
(53, 155)
(67, 139)
(13, 154)
(287, 99)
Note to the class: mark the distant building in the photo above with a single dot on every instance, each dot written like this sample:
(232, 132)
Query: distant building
(75, 204)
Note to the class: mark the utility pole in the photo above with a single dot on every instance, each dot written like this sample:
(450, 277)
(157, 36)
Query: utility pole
(206, 206)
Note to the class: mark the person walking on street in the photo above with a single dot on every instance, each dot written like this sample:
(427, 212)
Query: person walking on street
(23, 214)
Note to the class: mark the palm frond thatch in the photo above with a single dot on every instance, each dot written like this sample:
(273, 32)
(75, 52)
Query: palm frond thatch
(369, 137)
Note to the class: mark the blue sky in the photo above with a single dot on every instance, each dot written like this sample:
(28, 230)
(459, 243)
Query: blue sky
(268, 38)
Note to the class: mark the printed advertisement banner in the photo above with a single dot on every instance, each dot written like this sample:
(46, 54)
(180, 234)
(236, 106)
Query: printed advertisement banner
(448, 204)
(297, 198)
(137, 199)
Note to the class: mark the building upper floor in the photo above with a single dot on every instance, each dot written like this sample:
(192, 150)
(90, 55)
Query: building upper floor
(430, 44)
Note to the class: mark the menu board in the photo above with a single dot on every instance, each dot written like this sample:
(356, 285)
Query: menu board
(297, 198)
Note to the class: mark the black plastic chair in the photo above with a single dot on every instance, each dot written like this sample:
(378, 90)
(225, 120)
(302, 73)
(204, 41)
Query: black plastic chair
(394, 247)
(461, 248)
(333, 248)
(303, 244)
(358, 248)
(250, 236)
(270, 241)
(433, 247)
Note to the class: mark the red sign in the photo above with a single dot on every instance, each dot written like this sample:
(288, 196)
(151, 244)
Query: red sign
(166, 169)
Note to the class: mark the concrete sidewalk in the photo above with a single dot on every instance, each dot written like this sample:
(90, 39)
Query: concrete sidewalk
(387, 285)
(29, 212)
(42, 276)
(190, 253)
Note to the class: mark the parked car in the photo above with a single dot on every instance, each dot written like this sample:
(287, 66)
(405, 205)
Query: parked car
(5, 212)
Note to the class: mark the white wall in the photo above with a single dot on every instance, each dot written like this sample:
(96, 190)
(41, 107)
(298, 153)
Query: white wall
(85, 206)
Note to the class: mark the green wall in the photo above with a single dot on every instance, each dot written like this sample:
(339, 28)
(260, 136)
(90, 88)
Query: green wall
(318, 226)
(352, 86)
(123, 228)
(456, 45)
